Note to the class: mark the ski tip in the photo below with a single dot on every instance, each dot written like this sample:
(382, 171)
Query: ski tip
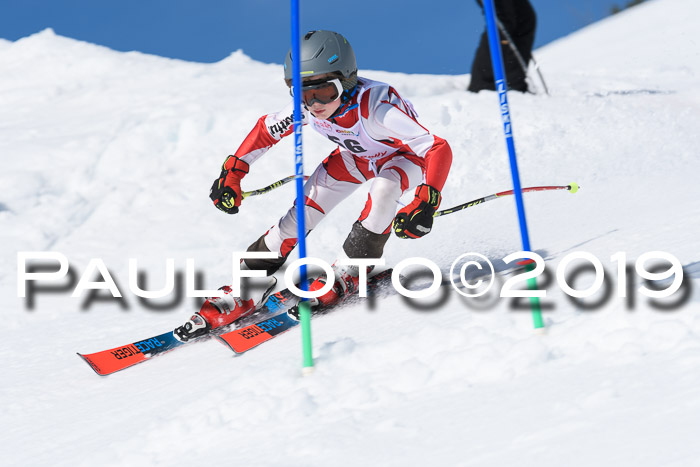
(573, 187)
(540, 331)
(92, 365)
(307, 370)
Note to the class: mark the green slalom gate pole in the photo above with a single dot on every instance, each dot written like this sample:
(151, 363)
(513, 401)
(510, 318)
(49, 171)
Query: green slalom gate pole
(534, 301)
(304, 309)
(305, 319)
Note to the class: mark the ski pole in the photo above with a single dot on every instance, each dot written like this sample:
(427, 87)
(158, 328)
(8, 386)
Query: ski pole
(519, 57)
(270, 187)
(572, 187)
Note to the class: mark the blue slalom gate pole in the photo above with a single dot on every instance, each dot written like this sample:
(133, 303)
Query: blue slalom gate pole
(304, 309)
(502, 88)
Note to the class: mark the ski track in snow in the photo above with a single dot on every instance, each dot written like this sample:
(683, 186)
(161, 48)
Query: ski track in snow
(111, 155)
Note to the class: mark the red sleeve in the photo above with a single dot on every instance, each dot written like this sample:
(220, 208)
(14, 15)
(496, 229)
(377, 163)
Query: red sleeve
(258, 139)
(268, 131)
(438, 161)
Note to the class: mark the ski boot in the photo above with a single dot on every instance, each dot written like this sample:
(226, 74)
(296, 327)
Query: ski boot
(346, 283)
(217, 312)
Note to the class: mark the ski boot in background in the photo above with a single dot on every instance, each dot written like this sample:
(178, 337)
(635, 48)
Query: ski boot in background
(217, 312)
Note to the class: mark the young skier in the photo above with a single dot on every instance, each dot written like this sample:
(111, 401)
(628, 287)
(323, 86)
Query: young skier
(379, 139)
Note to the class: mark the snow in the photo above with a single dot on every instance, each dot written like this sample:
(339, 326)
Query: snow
(111, 155)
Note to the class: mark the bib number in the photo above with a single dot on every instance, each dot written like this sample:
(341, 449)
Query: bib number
(349, 144)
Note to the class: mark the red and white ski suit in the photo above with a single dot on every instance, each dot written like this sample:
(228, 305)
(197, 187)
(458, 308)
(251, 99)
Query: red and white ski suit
(379, 139)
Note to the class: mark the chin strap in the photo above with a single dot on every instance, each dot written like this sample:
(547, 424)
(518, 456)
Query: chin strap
(345, 98)
(348, 94)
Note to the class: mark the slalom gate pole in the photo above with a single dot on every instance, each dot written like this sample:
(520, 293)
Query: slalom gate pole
(502, 88)
(304, 309)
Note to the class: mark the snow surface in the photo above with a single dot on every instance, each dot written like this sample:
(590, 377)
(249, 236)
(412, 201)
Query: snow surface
(111, 155)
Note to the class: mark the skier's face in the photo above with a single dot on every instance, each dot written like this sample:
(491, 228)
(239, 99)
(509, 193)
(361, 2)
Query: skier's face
(317, 108)
(323, 111)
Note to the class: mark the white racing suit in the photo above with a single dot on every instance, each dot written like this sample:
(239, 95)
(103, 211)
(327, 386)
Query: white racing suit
(379, 139)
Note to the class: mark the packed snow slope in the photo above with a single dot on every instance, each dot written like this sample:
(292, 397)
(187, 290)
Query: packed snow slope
(111, 155)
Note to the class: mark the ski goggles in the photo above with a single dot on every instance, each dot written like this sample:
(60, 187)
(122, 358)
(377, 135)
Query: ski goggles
(324, 92)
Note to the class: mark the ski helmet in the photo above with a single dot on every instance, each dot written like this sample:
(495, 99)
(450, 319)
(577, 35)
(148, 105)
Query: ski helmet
(324, 52)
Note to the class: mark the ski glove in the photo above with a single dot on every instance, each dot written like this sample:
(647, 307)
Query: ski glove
(226, 190)
(416, 219)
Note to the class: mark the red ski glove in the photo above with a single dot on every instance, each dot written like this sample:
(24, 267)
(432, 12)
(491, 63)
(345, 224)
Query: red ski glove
(226, 190)
(416, 219)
